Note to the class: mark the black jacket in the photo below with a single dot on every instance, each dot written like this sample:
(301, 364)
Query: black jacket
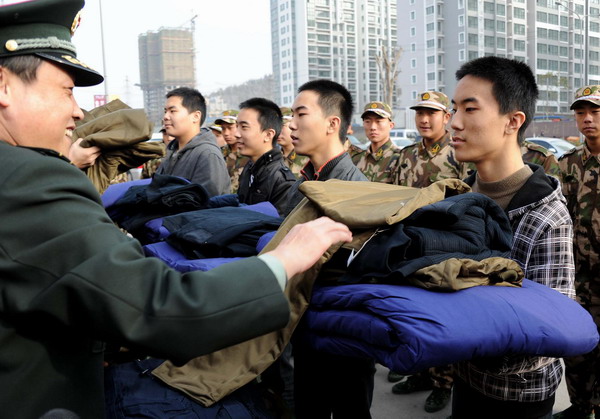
(340, 167)
(269, 179)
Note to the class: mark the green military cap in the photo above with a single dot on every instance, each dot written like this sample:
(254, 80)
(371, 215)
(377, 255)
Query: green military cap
(44, 28)
(587, 94)
(287, 114)
(216, 127)
(433, 100)
(379, 108)
(228, 117)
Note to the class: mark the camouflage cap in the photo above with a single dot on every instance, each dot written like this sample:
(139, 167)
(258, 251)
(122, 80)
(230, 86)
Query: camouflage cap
(228, 117)
(44, 28)
(587, 94)
(216, 127)
(379, 108)
(433, 100)
(287, 114)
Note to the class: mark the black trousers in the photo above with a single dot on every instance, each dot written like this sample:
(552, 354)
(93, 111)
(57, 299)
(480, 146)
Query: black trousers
(326, 385)
(468, 403)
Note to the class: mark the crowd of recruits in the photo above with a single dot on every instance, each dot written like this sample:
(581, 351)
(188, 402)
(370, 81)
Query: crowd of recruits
(432, 158)
(56, 70)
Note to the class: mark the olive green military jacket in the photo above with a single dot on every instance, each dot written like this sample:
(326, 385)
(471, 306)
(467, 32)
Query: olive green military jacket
(420, 166)
(379, 166)
(536, 154)
(580, 175)
(69, 278)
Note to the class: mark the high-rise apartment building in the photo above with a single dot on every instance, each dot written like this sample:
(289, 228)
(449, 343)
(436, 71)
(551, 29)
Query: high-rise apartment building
(550, 36)
(166, 62)
(331, 39)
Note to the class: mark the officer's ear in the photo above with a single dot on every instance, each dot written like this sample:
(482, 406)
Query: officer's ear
(5, 77)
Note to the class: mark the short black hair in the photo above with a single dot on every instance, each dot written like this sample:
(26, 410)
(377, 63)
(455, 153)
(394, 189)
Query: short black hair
(513, 85)
(269, 114)
(191, 99)
(334, 99)
(24, 66)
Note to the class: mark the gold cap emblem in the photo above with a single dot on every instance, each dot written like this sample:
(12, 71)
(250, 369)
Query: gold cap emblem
(587, 91)
(374, 106)
(11, 45)
(425, 96)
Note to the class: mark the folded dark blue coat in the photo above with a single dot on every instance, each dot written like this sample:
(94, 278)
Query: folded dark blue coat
(409, 329)
(466, 226)
(218, 232)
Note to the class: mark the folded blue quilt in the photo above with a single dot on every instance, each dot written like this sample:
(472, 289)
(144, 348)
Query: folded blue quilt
(409, 329)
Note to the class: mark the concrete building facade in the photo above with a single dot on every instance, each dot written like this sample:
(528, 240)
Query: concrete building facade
(331, 39)
(166, 62)
(550, 36)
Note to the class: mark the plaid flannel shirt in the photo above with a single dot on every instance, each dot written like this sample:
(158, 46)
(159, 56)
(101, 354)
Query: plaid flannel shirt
(543, 246)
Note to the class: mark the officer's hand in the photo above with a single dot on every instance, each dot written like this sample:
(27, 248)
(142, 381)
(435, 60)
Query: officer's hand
(302, 247)
(83, 157)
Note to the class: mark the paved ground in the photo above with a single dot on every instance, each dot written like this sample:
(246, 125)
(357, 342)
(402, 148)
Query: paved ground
(387, 405)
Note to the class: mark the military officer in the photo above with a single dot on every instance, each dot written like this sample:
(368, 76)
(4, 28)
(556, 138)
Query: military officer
(293, 160)
(378, 161)
(580, 173)
(233, 159)
(536, 154)
(432, 158)
(69, 278)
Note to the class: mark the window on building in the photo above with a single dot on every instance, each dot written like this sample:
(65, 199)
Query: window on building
(431, 59)
(553, 34)
(519, 45)
(501, 42)
(461, 4)
(594, 26)
(413, 79)
(430, 10)
(413, 63)
(564, 36)
(563, 51)
(542, 64)
(472, 5)
(541, 17)
(564, 21)
(413, 47)
(431, 43)
(594, 69)
(413, 31)
(552, 19)
(542, 33)
(461, 55)
(473, 39)
(553, 50)
(473, 55)
(489, 24)
(594, 55)
(488, 7)
(564, 66)
(553, 65)
(500, 9)
(519, 29)
(461, 21)
(430, 27)
(594, 41)
(501, 26)
(519, 12)
(413, 15)
(472, 22)
(461, 37)
(542, 48)
(489, 41)
(431, 76)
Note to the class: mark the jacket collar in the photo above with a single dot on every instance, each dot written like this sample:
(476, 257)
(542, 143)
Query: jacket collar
(323, 172)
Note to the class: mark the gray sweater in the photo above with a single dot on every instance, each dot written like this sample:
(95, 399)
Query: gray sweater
(199, 161)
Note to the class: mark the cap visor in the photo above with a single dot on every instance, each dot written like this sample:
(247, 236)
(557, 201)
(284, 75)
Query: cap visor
(82, 75)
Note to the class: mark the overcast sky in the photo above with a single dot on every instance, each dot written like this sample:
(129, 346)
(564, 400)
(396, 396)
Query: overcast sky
(233, 41)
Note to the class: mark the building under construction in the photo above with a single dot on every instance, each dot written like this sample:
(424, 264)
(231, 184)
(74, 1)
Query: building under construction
(166, 62)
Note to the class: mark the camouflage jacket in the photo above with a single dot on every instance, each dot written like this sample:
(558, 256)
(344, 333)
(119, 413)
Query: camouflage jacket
(419, 166)
(536, 154)
(580, 175)
(235, 164)
(295, 162)
(379, 166)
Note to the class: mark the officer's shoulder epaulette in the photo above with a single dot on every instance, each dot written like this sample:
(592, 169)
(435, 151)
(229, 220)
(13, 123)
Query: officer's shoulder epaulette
(575, 149)
(356, 150)
(538, 148)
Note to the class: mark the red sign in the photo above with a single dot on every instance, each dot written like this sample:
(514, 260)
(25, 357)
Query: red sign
(99, 100)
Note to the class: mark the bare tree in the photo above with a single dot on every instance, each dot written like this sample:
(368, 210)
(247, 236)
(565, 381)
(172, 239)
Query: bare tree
(388, 62)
